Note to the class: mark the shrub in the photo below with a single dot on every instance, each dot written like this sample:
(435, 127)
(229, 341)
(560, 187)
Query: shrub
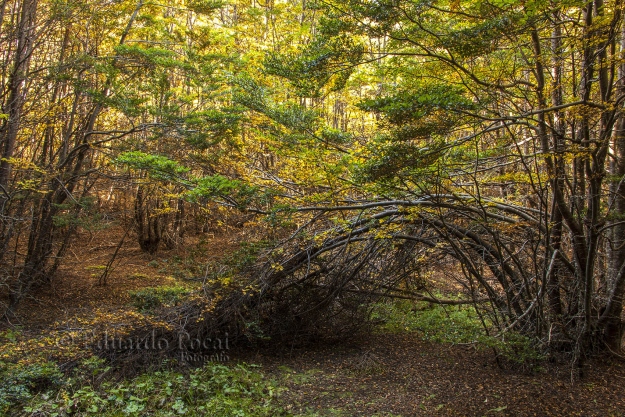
(214, 390)
(149, 299)
(19, 382)
(453, 324)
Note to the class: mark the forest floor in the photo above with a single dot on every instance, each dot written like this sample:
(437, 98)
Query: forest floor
(387, 373)
(397, 374)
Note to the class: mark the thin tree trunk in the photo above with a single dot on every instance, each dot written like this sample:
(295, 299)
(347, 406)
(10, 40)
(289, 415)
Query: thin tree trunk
(17, 90)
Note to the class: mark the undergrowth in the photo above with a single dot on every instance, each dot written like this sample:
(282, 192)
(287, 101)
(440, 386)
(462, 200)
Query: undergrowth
(19, 382)
(455, 324)
(148, 299)
(213, 390)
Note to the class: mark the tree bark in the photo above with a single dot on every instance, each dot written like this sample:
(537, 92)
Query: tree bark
(17, 88)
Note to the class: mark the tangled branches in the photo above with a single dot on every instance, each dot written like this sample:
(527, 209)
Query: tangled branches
(322, 282)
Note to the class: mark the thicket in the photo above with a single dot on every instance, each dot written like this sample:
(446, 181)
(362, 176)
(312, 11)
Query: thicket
(363, 141)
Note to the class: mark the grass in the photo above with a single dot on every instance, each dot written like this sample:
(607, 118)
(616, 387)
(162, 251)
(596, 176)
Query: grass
(435, 323)
(458, 324)
(148, 299)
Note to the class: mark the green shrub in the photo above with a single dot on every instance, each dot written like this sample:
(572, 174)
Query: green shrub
(149, 299)
(214, 390)
(453, 324)
(246, 255)
(19, 382)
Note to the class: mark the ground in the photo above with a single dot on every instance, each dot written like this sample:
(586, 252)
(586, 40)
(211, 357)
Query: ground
(382, 374)
(393, 374)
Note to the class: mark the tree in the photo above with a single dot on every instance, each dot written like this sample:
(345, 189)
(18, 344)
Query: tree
(85, 82)
(498, 145)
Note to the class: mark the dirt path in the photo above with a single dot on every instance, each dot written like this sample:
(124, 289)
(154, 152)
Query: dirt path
(397, 374)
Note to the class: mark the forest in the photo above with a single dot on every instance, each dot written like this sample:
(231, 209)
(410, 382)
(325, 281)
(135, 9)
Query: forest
(305, 207)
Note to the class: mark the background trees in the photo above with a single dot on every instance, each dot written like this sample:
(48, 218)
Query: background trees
(81, 83)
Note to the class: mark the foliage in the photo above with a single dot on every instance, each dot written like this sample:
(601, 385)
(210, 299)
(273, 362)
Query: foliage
(22, 381)
(216, 390)
(456, 325)
(160, 167)
(246, 255)
(148, 299)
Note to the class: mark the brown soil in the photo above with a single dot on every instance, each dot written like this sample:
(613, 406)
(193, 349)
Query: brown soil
(75, 289)
(398, 374)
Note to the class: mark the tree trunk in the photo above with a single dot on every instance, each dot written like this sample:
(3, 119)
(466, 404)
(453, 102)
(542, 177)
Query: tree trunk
(17, 89)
